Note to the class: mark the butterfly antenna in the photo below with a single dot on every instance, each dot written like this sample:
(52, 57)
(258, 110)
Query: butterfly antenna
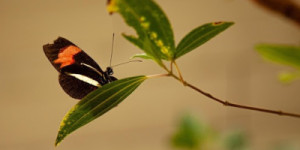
(126, 63)
(112, 49)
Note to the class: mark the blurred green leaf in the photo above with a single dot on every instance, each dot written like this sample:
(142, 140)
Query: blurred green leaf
(154, 33)
(283, 54)
(199, 36)
(288, 77)
(236, 140)
(96, 104)
(285, 146)
(190, 133)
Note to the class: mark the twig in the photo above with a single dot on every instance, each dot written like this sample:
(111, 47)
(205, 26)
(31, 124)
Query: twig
(171, 67)
(227, 103)
(179, 73)
(158, 75)
(287, 8)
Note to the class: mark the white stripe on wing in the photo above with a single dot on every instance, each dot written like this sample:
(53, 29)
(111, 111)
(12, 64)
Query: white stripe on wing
(84, 79)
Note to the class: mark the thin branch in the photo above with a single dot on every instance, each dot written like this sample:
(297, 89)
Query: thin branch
(287, 8)
(179, 73)
(227, 103)
(158, 75)
(171, 67)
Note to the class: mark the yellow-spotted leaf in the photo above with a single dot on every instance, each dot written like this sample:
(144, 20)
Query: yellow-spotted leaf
(154, 33)
(96, 104)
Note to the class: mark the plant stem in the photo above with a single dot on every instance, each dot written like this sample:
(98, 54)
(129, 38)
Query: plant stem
(179, 73)
(227, 103)
(164, 67)
(158, 75)
(171, 67)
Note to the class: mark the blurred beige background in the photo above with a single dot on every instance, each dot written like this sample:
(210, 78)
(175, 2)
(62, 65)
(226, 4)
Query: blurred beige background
(32, 103)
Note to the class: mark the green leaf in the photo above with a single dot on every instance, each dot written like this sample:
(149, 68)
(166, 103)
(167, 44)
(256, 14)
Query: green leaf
(282, 54)
(236, 140)
(143, 56)
(286, 146)
(133, 40)
(199, 36)
(154, 33)
(96, 104)
(288, 77)
(191, 134)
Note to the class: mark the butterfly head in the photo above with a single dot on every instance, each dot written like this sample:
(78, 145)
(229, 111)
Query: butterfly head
(109, 71)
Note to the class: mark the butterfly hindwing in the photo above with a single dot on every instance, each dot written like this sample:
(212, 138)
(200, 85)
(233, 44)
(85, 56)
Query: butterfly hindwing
(74, 87)
(83, 71)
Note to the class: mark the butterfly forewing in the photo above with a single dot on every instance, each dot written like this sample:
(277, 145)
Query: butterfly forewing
(52, 52)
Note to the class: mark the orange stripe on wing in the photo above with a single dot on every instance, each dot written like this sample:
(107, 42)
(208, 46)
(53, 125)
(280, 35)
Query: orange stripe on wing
(66, 56)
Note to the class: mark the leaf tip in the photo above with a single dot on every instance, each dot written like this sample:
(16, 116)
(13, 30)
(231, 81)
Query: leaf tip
(260, 47)
(111, 6)
(57, 142)
(59, 138)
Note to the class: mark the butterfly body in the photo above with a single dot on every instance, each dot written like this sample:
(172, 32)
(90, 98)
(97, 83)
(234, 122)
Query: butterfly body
(79, 74)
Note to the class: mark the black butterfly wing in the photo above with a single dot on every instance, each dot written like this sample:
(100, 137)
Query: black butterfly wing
(53, 51)
(85, 73)
(74, 87)
(71, 68)
(112, 78)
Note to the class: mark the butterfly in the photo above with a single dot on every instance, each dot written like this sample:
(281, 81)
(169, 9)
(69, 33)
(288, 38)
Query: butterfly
(79, 74)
